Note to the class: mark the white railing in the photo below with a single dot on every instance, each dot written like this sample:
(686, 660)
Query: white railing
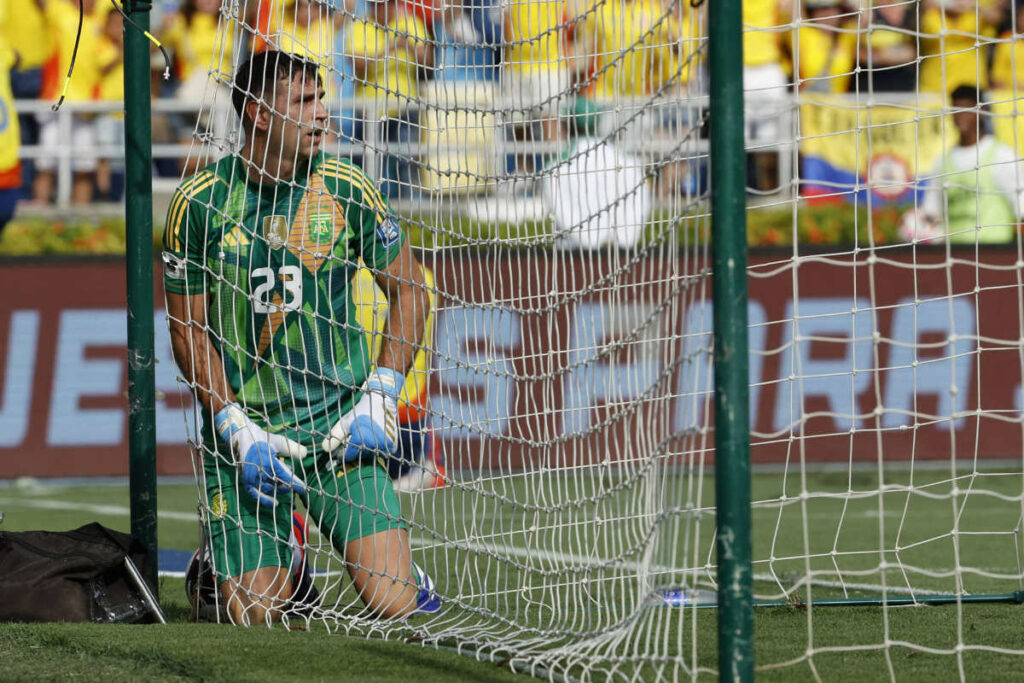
(436, 146)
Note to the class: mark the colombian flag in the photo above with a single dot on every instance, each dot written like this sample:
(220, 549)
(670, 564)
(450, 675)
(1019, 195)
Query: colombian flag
(849, 149)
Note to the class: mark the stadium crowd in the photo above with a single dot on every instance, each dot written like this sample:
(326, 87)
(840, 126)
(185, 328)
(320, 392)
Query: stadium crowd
(545, 56)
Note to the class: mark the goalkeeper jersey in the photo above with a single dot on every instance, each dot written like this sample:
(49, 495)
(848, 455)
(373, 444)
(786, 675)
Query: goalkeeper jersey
(276, 262)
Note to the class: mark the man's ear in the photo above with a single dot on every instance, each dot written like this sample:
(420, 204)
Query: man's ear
(258, 114)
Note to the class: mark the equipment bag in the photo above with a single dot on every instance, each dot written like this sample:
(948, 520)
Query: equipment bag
(88, 574)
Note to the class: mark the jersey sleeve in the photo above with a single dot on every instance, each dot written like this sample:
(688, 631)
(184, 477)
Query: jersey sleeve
(376, 235)
(184, 256)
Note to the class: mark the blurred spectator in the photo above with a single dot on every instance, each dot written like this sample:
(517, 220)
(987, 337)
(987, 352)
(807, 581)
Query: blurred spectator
(765, 86)
(388, 50)
(199, 48)
(110, 127)
(63, 17)
(191, 34)
(951, 30)
(625, 49)
(888, 52)
(10, 167)
(1008, 60)
(826, 47)
(309, 31)
(318, 31)
(976, 191)
(623, 54)
(468, 33)
(534, 77)
(29, 35)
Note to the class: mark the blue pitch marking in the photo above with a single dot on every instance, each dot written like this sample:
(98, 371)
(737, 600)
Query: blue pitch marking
(173, 560)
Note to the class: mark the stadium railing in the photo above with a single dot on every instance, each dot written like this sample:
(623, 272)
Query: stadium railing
(485, 158)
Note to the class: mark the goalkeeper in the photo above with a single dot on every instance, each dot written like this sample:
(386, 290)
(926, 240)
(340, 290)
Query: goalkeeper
(259, 251)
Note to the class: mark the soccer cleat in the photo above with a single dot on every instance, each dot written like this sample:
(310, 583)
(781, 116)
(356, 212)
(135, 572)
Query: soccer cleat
(427, 599)
(418, 478)
(305, 595)
(421, 477)
(201, 590)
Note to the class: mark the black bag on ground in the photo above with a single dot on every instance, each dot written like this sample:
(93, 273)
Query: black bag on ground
(78, 575)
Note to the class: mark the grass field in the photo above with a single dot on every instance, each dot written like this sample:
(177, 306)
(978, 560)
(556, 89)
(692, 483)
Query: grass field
(845, 527)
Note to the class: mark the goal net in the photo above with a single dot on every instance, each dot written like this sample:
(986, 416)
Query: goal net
(548, 162)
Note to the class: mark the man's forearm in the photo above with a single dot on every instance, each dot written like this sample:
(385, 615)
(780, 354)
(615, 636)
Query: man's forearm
(406, 322)
(198, 360)
(202, 367)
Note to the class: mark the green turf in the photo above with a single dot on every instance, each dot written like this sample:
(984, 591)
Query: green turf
(913, 527)
(182, 651)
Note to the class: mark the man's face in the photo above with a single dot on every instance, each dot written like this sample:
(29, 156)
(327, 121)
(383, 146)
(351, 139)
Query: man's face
(965, 116)
(298, 122)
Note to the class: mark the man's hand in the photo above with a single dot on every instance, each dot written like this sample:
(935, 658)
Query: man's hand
(255, 453)
(370, 429)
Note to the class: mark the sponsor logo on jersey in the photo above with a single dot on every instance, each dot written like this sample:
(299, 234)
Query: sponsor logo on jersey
(174, 267)
(388, 232)
(218, 506)
(320, 227)
(275, 230)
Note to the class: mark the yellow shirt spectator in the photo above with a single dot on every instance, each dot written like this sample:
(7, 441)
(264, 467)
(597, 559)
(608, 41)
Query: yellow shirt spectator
(309, 31)
(760, 46)
(63, 17)
(111, 59)
(636, 44)
(392, 73)
(948, 46)
(28, 33)
(534, 34)
(10, 165)
(1008, 64)
(827, 54)
(197, 46)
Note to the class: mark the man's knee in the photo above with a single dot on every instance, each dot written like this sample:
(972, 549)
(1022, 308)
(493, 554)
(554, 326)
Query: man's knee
(257, 596)
(381, 568)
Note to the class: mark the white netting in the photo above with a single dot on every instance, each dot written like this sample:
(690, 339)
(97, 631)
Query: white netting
(548, 162)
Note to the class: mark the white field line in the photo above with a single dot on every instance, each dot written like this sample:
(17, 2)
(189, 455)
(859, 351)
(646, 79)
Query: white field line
(109, 510)
(513, 551)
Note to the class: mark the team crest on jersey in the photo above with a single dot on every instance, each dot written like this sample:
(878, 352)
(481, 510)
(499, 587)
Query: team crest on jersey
(218, 506)
(275, 230)
(320, 227)
(388, 232)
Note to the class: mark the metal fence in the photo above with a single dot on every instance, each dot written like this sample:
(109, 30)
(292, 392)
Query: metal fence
(464, 147)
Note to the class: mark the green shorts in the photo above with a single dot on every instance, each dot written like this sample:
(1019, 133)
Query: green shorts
(344, 502)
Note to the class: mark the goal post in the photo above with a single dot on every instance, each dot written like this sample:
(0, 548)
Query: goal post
(141, 396)
(731, 389)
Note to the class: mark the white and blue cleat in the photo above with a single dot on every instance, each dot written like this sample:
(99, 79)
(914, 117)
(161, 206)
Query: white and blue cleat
(427, 599)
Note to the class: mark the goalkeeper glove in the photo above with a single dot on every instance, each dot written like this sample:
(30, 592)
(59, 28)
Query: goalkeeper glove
(255, 453)
(370, 429)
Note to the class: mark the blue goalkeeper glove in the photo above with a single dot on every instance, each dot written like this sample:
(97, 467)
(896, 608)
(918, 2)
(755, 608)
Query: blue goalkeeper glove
(370, 429)
(255, 452)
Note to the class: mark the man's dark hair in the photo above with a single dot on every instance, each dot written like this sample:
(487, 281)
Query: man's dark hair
(965, 92)
(258, 77)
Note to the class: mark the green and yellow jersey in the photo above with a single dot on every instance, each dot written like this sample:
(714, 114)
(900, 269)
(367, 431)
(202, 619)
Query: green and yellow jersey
(276, 263)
